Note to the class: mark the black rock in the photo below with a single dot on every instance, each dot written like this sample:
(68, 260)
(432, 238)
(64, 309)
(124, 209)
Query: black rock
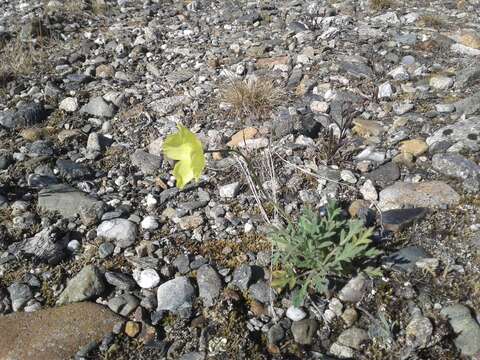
(71, 170)
(385, 174)
(30, 114)
(405, 259)
(398, 219)
(310, 126)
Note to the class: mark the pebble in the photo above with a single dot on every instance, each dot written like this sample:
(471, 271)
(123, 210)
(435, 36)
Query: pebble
(295, 313)
(303, 331)
(121, 231)
(175, 295)
(147, 279)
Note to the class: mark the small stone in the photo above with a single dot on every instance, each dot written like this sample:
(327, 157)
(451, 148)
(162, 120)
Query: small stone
(191, 222)
(262, 292)
(149, 223)
(445, 108)
(350, 316)
(304, 330)
(368, 191)
(20, 294)
(175, 295)
(147, 279)
(99, 107)
(419, 332)
(402, 108)
(230, 190)
(121, 231)
(275, 334)
(242, 276)
(120, 280)
(385, 91)
(440, 82)
(367, 128)
(354, 290)
(399, 73)
(415, 147)
(295, 313)
(385, 174)
(430, 264)
(242, 136)
(209, 284)
(319, 107)
(348, 176)
(353, 337)
(470, 38)
(342, 351)
(69, 104)
(148, 164)
(132, 328)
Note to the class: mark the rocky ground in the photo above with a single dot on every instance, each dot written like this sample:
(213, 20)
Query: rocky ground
(374, 103)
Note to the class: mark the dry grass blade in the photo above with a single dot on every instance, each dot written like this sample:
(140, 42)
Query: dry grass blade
(16, 59)
(380, 4)
(251, 98)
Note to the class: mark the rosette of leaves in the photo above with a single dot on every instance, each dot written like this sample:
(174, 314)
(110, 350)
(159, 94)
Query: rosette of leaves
(318, 248)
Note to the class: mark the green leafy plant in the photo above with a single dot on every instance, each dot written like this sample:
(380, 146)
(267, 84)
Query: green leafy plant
(317, 249)
(185, 147)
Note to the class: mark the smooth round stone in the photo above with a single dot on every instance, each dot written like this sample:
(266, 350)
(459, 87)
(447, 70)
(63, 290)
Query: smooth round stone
(147, 279)
(408, 60)
(295, 313)
(149, 223)
(73, 246)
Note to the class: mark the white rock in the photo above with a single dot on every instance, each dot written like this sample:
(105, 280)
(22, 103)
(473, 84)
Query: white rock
(399, 73)
(69, 104)
(122, 231)
(441, 82)
(229, 190)
(445, 108)
(146, 279)
(385, 90)
(149, 223)
(156, 147)
(348, 176)
(295, 313)
(151, 201)
(319, 106)
(368, 191)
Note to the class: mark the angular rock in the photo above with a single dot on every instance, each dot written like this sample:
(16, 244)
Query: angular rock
(467, 329)
(304, 330)
(398, 219)
(20, 294)
(209, 284)
(406, 258)
(68, 328)
(87, 284)
(465, 133)
(354, 290)
(149, 164)
(385, 174)
(455, 165)
(353, 337)
(175, 295)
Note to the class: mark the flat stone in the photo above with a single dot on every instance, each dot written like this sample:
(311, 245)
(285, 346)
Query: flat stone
(167, 105)
(367, 128)
(428, 194)
(399, 219)
(20, 294)
(468, 76)
(71, 170)
(69, 104)
(68, 328)
(440, 82)
(87, 284)
(68, 202)
(262, 292)
(406, 258)
(295, 313)
(464, 134)
(354, 290)
(467, 329)
(121, 231)
(469, 105)
(469, 38)
(353, 337)
(191, 222)
(455, 165)
(229, 190)
(419, 332)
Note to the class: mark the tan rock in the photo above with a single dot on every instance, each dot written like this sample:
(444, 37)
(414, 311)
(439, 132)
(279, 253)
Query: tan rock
(356, 205)
(415, 147)
(69, 134)
(53, 334)
(367, 128)
(240, 137)
(104, 71)
(33, 134)
(268, 63)
(470, 38)
(132, 328)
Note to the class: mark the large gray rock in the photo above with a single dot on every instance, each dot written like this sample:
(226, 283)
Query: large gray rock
(44, 246)
(87, 284)
(466, 328)
(462, 134)
(455, 165)
(175, 295)
(354, 290)
(68, 202)
(469, 105)
(55, 333)
(425, 194)
(97, 106)
(304, 330)
(122, 231)
(19, 295)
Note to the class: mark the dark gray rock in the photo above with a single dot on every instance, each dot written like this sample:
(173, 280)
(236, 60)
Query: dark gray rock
(469, 105)
(468, 76)
(275, 334)
(385, 174)
(30, 114)
(120, 280)
(71, 170)
(149, 164)
(242, 277)
(182, 263)
(357, 69)
(44, 247)
(262, 292)
(20, 294)
(7, 119)
(123, 304)
(209, 284)
(39, 148)
(398, 219)
(455, 165)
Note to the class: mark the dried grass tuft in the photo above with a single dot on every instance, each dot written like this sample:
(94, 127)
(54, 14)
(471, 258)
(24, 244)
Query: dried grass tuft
(255, 97)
